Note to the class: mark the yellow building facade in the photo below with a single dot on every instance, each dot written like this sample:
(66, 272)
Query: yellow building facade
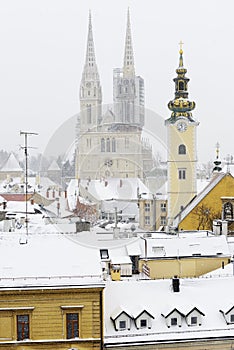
(51, 318)
(208, 205)
(152, 213)
(182, 266)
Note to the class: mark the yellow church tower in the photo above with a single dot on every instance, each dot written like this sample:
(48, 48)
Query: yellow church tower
(181, 145)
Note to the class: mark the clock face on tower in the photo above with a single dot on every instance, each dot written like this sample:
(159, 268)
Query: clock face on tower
(181, 126)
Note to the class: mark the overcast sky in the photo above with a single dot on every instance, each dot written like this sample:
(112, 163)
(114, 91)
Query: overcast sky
(42, 52)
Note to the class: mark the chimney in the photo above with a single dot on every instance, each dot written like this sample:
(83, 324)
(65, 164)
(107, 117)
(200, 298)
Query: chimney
(176, 284)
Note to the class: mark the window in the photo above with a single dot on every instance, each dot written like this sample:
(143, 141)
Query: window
(122, 324)
(173, 321)
(126, 142)
(181, 85)
(22, 327)
(159, 250)
(163, 220)
(147, 220)
(72, 325)
(113, 145)
(182, 174)
(163, 207)
(143, 323)
(182, 149)
(104, 253)
(108, 145)
(194, 320)
(147, 206)
(232, 318)
(103, 145)
(89, 114)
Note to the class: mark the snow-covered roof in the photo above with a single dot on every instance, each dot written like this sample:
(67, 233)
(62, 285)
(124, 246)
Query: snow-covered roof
(187, 246)
(11, 165)
(115, 188)
(116, 260)
(38, 262)
(54, 166)
(35, 183)
(208, 295)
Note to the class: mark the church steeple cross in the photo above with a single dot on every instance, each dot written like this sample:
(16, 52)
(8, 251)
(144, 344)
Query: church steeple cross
(181, 46)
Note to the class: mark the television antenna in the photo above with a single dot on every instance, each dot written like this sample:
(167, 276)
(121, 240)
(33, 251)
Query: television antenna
(26, 147)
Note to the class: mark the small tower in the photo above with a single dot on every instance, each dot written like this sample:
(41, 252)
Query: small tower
(181, 145)
(128, 89)
(217, 168)
(90, 89)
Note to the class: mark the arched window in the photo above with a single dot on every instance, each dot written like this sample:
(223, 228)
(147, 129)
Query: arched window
(228, 211)
(113, 145)
(181, 85)
(182, 149)
(89, 119)
(103, 145)
(108, 145)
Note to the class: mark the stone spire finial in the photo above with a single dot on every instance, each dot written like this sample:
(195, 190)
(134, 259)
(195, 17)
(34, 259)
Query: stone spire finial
(128, 68)
(90, 60)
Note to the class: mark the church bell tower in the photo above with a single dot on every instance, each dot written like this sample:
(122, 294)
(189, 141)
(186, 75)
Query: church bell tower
(181, 145)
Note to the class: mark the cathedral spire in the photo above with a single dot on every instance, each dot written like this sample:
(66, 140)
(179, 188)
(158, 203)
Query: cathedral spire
(90, 87)
(90, 53)
(128, 68)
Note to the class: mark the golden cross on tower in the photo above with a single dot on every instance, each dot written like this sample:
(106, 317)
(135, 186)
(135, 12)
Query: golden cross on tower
(181, 46)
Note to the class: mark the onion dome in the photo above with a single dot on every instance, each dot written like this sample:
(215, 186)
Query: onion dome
(181, 106)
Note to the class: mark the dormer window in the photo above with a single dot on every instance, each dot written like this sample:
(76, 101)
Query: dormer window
(228, 314)
(121, 319)
(173, 318)
(194, 317)
(143, 319)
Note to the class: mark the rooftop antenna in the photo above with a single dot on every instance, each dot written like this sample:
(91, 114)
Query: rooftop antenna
(25, 147)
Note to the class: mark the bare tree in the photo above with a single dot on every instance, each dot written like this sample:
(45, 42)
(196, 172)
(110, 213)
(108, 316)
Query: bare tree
(87, 212)
(205, 215)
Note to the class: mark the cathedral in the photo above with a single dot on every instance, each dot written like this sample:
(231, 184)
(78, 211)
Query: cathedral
(109, 140)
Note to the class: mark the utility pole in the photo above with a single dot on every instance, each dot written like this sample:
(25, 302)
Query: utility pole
(25, 147)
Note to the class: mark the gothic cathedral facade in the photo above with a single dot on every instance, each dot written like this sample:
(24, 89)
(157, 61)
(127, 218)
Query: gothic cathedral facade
(109, 140)
(181, 146)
